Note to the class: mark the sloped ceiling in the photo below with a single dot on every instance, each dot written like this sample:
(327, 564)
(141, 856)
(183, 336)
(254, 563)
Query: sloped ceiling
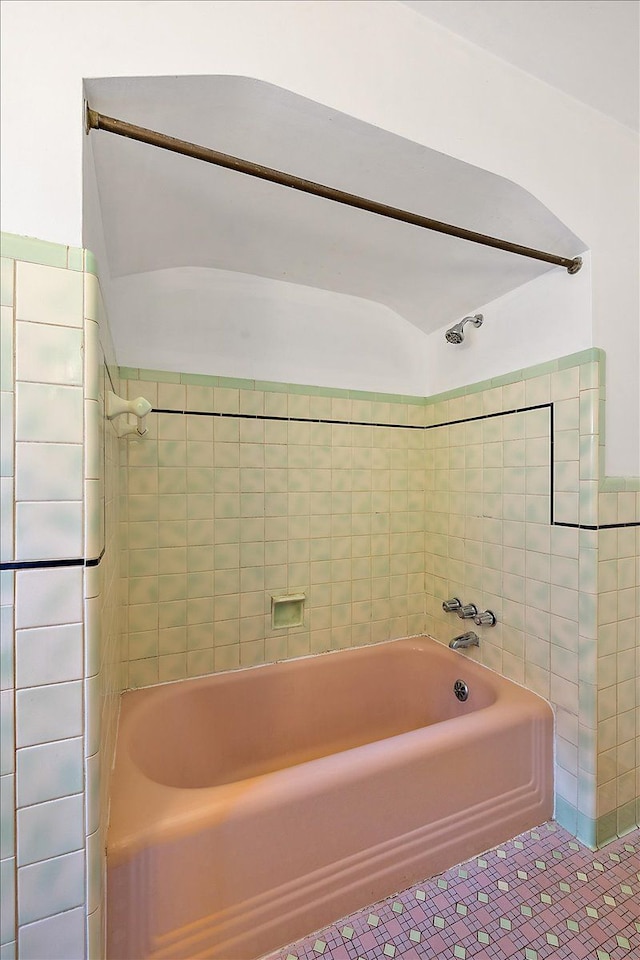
(586, 48)
(163, 212)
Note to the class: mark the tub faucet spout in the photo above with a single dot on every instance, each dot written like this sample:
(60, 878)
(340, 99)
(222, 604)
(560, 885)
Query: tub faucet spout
(465, 640)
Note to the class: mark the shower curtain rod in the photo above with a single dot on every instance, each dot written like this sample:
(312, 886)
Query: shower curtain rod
(98, 121)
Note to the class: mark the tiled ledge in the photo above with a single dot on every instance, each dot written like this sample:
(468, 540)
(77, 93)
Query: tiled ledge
(266, 386)
(595, 354)
(32, 250)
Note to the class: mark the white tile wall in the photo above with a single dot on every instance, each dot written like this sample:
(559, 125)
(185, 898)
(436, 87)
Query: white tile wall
(61, 338)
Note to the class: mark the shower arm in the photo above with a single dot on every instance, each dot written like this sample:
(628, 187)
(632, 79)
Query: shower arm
(98, 121)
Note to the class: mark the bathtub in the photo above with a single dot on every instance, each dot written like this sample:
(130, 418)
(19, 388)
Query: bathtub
(253, 807)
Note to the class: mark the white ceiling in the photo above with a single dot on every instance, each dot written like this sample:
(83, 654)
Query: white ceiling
(163, 212)
(587, 48)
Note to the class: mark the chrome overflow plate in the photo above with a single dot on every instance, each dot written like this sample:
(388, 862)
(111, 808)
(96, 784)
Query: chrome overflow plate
(461, 690)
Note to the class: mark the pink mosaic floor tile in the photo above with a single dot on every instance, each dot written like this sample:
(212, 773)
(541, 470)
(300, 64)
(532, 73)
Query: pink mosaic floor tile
(542, 895)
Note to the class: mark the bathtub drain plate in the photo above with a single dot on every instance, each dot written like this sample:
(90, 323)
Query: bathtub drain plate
(461, 690)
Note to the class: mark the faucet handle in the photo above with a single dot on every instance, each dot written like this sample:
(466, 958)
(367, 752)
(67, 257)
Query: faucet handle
(450, 606)
(485, 619)
(467, 611)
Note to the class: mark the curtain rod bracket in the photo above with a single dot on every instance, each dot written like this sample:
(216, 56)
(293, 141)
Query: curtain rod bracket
(98, 121)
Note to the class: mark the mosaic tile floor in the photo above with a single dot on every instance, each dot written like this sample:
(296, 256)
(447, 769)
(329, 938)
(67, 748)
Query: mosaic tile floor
(542, 895)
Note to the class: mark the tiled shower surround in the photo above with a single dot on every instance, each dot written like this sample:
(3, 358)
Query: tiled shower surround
(60, 629)
(375, 507)
(378, 508)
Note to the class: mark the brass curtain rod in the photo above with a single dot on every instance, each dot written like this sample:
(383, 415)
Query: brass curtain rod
(98, 121)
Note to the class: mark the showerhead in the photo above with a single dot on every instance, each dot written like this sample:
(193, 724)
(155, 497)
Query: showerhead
(456, 333)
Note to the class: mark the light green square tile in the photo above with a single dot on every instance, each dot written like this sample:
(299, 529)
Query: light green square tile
(567, 414)
(128, 373)
(275, 404)
(252, 402)
(565, 383)
(537, 390)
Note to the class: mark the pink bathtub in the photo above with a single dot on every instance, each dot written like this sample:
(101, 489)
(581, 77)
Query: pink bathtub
(253, 807)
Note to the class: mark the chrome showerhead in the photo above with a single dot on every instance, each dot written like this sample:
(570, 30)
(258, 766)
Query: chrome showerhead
(456, 333)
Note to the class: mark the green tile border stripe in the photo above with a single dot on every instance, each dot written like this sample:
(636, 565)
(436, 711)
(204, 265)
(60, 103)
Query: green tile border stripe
(620, 485)
(593, 354)
(269, 386)
(46, 253)
(266, 386)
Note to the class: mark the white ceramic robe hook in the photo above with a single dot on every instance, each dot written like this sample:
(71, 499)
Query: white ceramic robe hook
(139, 408)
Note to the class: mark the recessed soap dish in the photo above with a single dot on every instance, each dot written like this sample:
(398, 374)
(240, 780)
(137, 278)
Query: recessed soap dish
(287, 611)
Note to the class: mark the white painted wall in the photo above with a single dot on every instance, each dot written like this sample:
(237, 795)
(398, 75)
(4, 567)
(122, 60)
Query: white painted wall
(545, 318)
(377, 61)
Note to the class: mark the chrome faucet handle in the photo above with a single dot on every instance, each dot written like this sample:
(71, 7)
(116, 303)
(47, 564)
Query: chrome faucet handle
(467, 611)
(450, 606)
(485, 619)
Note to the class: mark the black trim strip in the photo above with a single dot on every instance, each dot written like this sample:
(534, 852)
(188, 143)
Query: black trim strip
(432, 426)
(46, 564)
(94, 562)
(552, 468)
(602, 526)
(351, 423)
(264, 416)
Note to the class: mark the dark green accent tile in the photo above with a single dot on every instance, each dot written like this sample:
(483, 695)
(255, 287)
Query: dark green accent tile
(33, 250)
(128, 373)
(75, 258)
